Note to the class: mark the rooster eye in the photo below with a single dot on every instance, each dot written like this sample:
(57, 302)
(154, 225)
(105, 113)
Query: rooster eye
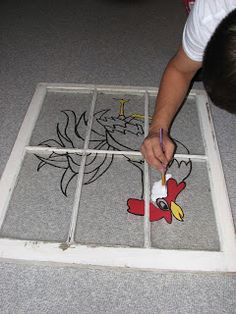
(162, 204)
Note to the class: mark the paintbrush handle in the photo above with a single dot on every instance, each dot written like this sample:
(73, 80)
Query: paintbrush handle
(161, 138)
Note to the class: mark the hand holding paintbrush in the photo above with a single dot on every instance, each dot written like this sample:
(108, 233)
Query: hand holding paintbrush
(158, 148)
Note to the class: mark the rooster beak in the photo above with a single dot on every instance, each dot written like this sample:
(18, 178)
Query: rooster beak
(177, 211)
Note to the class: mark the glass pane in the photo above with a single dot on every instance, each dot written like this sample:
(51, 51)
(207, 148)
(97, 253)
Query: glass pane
(193, 205)
(41, 204)
(62, 121)
(110, 184)
(185, 130)
(118, 122)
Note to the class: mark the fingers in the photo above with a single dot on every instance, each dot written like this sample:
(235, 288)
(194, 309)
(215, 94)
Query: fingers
(159, 153)
(153, 153)
(151, 158)
(170, 149)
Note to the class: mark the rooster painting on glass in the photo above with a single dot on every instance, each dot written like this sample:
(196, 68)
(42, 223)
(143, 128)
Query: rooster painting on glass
(113, 132)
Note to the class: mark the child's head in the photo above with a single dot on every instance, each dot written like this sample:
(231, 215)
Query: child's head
(219, 65)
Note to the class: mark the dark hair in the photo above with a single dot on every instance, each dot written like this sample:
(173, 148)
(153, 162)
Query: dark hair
(219, 64)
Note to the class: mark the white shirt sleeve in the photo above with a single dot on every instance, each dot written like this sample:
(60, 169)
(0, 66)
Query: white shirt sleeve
(192, 45)
(201, 24)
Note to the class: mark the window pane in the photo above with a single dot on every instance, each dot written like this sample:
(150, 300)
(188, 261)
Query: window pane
(118, 122)
(62, 120)
(108, 185)
(198, 229)
(185, 130)
(38, 209)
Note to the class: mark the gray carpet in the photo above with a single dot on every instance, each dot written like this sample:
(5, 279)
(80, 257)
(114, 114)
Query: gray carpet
(101, 42)
(43, 289)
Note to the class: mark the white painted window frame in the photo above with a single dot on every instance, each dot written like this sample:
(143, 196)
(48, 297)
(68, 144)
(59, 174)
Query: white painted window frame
(146, 257)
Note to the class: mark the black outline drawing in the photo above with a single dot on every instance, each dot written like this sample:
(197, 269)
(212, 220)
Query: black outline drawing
(103, 133)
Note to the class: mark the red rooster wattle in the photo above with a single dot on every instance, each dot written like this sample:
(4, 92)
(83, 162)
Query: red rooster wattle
(164, 208)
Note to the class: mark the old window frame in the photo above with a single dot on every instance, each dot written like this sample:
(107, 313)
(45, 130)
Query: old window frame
(146, 257)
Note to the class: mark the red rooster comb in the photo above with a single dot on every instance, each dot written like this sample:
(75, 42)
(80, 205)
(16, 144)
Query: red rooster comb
(173, 189)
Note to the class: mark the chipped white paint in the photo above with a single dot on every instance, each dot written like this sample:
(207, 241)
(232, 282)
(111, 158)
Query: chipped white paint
(223, 212)
(12, 169)
(147, 227)
(147, 257)
(45, 150)
(71, 234)
(152, 259)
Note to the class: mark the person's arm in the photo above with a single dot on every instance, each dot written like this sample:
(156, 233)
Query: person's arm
(173, 88)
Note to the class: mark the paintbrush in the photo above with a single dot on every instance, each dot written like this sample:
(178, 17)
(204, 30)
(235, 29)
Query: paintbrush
(163, 174)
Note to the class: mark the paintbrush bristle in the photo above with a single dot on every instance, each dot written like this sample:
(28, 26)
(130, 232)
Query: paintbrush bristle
(163, 179)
